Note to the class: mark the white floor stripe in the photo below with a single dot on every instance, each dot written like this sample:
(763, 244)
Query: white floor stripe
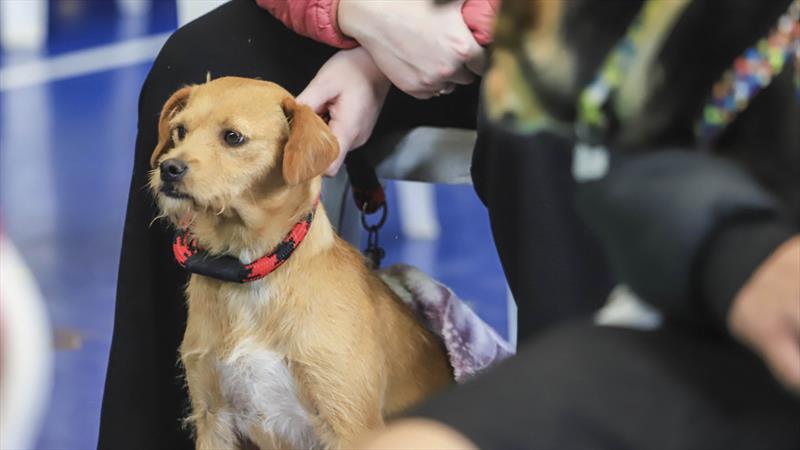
(82, 62)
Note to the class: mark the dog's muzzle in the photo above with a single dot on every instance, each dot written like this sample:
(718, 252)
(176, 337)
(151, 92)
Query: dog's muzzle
(173, 170)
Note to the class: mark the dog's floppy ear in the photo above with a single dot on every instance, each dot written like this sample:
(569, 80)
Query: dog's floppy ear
(311, 147)
(172, 106)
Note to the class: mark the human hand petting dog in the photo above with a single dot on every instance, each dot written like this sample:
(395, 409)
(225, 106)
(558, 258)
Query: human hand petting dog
(425, 49)
(351, 89)
(765, 315)
(422, 48)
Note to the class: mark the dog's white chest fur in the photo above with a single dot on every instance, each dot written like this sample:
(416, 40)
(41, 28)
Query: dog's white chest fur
(258, 386)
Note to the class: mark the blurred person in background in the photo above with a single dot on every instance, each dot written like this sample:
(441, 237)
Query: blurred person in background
(685, 163)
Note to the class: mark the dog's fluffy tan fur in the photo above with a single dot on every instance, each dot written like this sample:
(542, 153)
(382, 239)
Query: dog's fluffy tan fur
(320, 350)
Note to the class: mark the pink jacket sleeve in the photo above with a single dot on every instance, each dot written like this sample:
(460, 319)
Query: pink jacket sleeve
(479, 16)
(313, 18)
(317, 19)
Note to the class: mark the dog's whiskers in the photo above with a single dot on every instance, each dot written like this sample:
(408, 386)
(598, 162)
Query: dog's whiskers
(160, 216)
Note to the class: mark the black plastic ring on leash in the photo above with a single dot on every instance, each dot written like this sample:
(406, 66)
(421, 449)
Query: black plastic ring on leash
(384, 212)
(374, 252)
(370, 199)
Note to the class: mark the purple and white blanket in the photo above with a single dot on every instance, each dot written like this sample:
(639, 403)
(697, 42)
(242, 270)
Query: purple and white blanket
(472, 345)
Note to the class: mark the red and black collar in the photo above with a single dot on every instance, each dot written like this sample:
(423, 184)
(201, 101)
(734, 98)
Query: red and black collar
(228, 268)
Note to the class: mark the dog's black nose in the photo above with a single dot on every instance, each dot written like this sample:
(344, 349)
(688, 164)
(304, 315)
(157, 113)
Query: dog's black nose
(173, 170)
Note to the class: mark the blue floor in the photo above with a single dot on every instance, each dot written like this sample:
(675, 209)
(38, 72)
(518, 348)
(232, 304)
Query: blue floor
(66, 149)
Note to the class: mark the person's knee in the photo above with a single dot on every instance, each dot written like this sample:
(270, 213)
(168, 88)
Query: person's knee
(554, 391)
(177, 64)
(187, 55)
(176, 61)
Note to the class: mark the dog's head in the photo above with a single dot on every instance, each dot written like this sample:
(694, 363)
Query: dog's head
(235, 144)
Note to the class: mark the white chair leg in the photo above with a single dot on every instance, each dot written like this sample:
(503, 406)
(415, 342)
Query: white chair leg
(188, 10)
(512, 318)
(23, 24)
(417, 210)
(134, 8)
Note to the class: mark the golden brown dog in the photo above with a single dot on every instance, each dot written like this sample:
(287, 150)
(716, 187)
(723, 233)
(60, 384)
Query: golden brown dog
(320, 350)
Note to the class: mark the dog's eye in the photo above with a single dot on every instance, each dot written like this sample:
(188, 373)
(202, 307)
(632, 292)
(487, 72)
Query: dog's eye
(232, 138)
(180, 132)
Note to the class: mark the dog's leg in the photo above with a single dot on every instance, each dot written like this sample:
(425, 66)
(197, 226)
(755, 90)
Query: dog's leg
(216, 431)
(214, 425)
(268, 441)
(346, 406)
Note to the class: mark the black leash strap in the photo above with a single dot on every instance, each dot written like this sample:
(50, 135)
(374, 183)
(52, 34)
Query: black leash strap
(370, 198)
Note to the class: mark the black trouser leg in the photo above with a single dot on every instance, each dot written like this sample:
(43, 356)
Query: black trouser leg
(582, 386)
(145, 397)
(554, 266)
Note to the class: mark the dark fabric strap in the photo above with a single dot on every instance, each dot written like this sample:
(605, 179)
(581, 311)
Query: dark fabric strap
(732, 255)
(367, 189)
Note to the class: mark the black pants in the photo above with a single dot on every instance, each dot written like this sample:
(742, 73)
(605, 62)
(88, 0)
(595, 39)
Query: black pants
(553, 267)
(581, 386)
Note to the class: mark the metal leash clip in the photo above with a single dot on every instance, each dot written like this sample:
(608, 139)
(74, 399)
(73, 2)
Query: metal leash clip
(374, 252)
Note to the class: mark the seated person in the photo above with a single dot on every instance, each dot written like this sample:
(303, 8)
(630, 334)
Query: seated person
(685, 384)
